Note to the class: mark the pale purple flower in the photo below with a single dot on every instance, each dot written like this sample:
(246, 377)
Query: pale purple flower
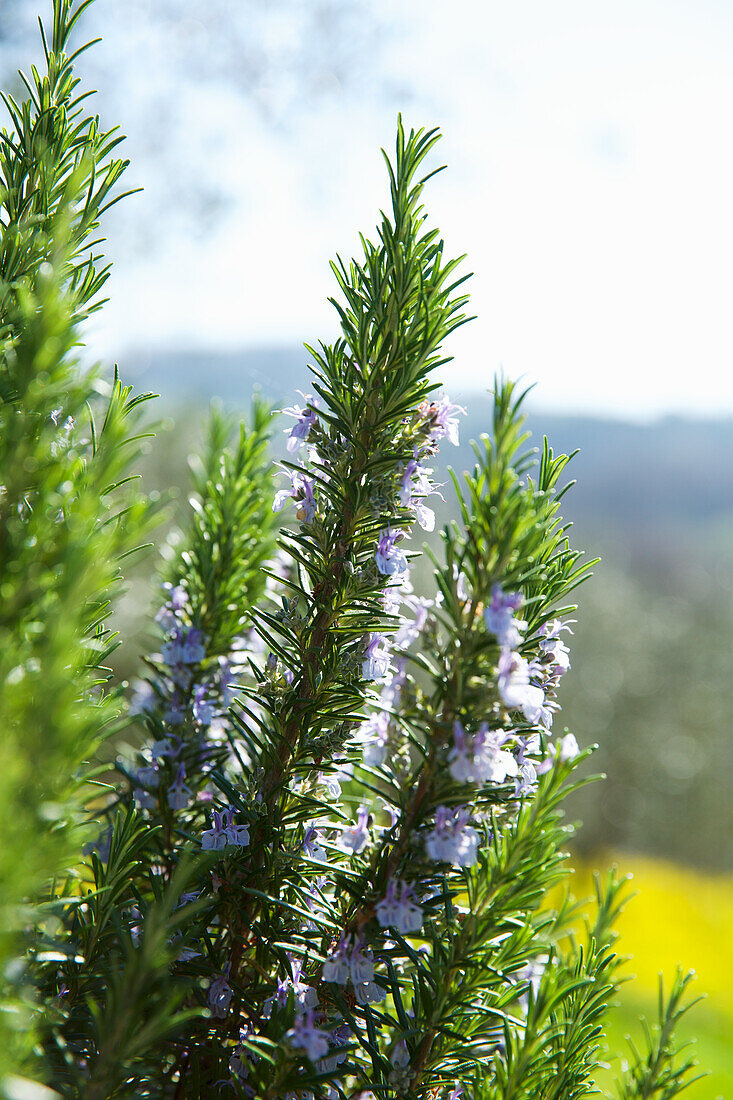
(425, 516)
(375, 665)
(144, 698)
(238, 1067)
(330, 781)
(392, 597)
(554, 648)
(176, 595)
(314, 902)
(224, 832)
(443, 418)
(355, 838)
(169, 615)
(304, 994)
(398, 909)
(144, 799)
(406, 487)
(148, 776)
(237, 835)
(374, 735)
(311, 844)
(409, 632)
(414, 487)
(452, 840)
(185, 954)
(526, 780)
(175, 712)
(179, 795)
(369, 993)
(393, 814)
(392, 689)
(492, 762)
(515, 688)
(461, 584)
(499, 617)
(279, 998)
(553, 629)
(301, 492)
(242, 1058)
(187, 898)
(340, 1037)
(400, 1056)
(361, 964)
(227, 684)
(165, 749)
(304, 421)
(389, 557)
(215, 838)
(460, 757)
(547, 712)
(482, 758)
(203, 707)
(559, 655)
(568, 748)
(184, 648)
(306, 1036)
(220, 995)
(101, 845)
(336, 967)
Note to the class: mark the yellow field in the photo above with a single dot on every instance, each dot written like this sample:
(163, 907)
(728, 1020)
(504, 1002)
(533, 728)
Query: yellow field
(679, 916)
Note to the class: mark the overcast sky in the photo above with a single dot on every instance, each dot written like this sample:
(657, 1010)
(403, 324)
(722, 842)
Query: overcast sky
(590, 182)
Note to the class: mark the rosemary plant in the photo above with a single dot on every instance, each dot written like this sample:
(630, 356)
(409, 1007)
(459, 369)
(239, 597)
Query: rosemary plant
(330, 857)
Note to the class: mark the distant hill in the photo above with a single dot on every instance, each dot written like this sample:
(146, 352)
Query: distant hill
(640, 486)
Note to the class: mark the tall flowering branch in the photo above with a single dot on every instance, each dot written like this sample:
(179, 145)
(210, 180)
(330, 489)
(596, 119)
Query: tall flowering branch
(361, 436)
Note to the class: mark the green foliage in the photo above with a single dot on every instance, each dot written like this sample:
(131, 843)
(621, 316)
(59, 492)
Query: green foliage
(231, 531)
(653, 688)
(57, 175)
(67, 511)
(663, 1069)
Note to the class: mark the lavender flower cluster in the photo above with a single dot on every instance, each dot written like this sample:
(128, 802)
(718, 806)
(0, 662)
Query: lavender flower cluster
(187, 699)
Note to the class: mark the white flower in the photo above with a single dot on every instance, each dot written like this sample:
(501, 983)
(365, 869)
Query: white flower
(355, 838)
(515, 688)
(568, 748)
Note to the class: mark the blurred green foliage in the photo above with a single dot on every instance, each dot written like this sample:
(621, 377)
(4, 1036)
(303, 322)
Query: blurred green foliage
(69, 510)
(651, 684)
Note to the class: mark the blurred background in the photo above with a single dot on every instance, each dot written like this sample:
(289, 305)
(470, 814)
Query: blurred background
(589, 182)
